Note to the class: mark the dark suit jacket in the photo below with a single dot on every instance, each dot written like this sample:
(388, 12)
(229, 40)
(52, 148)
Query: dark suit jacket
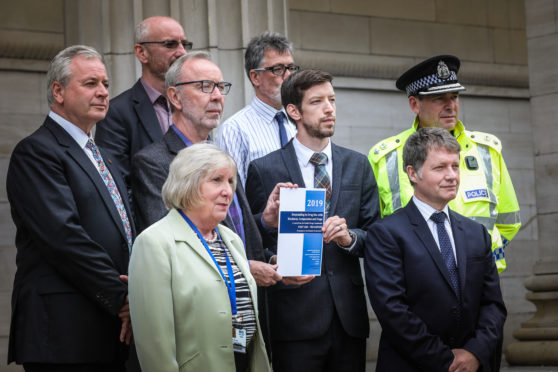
(71, 249)
(306, 312)
(130, 125)
(150, 168)
(409, 288)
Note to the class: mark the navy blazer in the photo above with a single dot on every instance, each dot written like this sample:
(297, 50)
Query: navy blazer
(305, 312)
(130, 125)
(71, 249)
(421, 316)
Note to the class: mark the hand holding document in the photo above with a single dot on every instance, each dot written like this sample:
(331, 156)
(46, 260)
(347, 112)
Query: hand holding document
(300, 238)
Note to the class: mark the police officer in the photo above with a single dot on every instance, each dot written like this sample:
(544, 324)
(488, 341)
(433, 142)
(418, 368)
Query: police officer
(486, 193)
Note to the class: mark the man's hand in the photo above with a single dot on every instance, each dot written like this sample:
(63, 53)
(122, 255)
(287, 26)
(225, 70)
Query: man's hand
(336, 229)
(297, 280)
(463, 361)
(270, 215)
(264, 273)
(126, 334)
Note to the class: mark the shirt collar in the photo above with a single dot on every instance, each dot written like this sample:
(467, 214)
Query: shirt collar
(427, 210)
(73, 130)
(152, 93)
(304, 154)
(266, 111)
(457, 131)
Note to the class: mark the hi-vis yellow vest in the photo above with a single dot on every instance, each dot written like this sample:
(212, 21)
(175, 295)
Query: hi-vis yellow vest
(486, 194)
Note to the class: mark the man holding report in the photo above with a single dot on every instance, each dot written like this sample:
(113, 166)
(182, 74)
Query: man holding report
(318, 323)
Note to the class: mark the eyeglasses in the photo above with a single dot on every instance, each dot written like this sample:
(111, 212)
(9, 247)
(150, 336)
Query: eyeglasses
(279, 69)
(208, 86)
(171, 44)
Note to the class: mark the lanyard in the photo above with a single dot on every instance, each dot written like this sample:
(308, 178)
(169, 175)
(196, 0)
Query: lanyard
(231, 287)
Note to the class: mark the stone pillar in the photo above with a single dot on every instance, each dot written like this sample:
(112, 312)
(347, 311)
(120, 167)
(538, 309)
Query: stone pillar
(538, 337)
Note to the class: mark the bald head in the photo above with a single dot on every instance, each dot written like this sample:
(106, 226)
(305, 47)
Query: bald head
(159, 42)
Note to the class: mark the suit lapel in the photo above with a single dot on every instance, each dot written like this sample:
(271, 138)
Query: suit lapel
(290, 161)
(460, 247)
(174, 142)
(145, 112)
(184, 233)
(422, 231)
(337, 161)
(83, 161)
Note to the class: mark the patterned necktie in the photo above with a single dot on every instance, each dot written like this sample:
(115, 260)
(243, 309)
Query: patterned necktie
(321, 179)
(280, 117)
(113, 190)
(446, 249)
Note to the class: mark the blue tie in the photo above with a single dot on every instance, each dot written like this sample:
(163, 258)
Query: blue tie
(280, 117)
(446, 249)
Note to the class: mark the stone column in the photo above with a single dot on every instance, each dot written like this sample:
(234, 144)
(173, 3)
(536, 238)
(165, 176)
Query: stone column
(538, 338)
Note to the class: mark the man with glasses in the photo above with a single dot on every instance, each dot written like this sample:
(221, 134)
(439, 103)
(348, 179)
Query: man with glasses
(262, 126)
(141, 115)
(196, 90)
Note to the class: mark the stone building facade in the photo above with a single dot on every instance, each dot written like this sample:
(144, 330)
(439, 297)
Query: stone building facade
(509, 59)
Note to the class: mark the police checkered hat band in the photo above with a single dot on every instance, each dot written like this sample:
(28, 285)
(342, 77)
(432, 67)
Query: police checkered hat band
(432, 84)
(435, 75)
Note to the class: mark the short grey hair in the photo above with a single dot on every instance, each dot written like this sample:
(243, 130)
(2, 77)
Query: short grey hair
(59, 69)
(192, 166)
(424, 139)
(254, 56)
(173, 74)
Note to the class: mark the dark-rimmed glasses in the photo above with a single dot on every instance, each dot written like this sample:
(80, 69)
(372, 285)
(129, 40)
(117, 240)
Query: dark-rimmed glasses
(208, 86)
(171, 44)
(279, 69)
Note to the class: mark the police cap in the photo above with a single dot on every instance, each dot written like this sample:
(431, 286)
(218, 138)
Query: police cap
(436, 75)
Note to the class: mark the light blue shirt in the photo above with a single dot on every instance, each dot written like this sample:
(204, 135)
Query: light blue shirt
(251, 133)
(426, 211)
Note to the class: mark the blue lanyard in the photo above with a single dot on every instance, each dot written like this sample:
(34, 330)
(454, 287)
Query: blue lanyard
(231, 287)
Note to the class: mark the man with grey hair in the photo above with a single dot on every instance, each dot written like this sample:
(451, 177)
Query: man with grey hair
(430, 274)
(196, 91)
(141, 115)
(262, 126)
(74, 230)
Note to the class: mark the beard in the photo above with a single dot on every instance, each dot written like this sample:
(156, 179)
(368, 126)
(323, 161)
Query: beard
(318, 131)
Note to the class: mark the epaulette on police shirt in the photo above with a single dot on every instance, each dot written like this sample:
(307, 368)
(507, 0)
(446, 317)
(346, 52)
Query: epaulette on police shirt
(485, 139)
(384, 147)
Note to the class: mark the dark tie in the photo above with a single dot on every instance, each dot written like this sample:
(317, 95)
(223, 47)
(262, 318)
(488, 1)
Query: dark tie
(280, 117)
(321, 179)
(163, 102)
(446, 249)
(113, 190)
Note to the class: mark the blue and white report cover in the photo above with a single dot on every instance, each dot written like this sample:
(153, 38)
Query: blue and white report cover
(300, 238)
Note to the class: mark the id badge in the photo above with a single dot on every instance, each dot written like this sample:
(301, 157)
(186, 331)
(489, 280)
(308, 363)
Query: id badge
(239, 340)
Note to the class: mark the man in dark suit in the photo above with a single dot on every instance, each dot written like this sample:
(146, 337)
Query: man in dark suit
(197, 110)
(141, 115)
(318, 323)
(430, 274)
(74, 232)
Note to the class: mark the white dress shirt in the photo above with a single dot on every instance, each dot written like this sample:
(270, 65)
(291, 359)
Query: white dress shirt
(77, 134)
(303, 155)
(426, 211)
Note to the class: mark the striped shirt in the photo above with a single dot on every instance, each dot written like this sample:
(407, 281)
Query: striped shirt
(252, 133)
(245, 306)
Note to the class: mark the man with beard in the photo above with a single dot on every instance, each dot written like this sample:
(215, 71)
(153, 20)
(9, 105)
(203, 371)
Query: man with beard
(196, 90)
(262, 126)
(318, 323)
(141, 115)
